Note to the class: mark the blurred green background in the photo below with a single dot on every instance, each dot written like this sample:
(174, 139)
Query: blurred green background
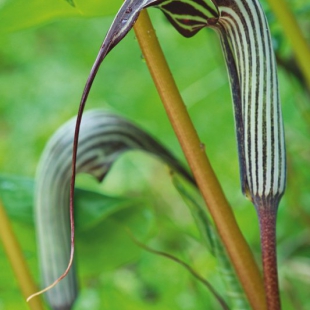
(46, 53)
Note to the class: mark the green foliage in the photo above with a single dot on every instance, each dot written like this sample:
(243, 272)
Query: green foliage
(91, 207)
(15, 15)
(233, 289)
(71, 2)
(92, 212)
(42, 72)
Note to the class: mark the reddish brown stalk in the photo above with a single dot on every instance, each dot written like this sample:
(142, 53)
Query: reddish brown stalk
(267, 219)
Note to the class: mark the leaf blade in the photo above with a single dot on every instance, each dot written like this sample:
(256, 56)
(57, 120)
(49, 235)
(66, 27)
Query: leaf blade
(211, 240)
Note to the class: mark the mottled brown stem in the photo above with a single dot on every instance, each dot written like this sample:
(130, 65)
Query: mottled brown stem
(267, 219)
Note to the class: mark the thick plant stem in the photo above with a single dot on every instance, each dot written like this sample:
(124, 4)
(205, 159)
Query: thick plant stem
(294, 35)
(235, 244)
(16, 258)
(267, 219)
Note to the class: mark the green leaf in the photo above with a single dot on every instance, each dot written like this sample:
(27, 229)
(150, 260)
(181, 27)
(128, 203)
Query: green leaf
(109, 242)
(92, 208)
(198, 212)
(211, 239)
(71, 2)
(18, 14)
(100, 222)
(17, 196)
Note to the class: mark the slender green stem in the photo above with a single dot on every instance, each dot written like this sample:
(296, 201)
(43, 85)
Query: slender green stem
(294, 35)
(237, 248)
(16, 258)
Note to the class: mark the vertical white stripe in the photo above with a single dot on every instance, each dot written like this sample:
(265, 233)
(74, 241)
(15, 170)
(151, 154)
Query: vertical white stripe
(259, 93)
